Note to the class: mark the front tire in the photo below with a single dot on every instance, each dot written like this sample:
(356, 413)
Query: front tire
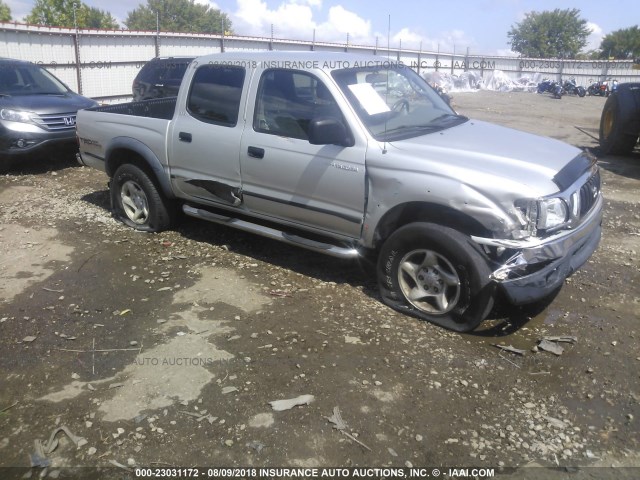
(137, 202)
(434, 273)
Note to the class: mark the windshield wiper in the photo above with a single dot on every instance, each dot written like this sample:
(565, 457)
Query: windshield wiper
(410, 129)
(447, 117)
(439, 123)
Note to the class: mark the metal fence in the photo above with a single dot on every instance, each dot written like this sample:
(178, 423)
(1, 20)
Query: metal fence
(103, 63)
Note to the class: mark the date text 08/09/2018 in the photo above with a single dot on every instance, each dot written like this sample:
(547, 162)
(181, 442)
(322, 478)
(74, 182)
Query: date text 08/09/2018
(282, 473)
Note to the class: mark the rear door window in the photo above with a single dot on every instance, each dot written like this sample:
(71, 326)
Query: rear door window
(215, 94)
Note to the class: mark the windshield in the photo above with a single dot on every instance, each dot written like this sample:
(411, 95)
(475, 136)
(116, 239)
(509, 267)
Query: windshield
(25, 79)
(395, 103)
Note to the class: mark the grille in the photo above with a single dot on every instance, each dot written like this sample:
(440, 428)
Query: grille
(58, 121)
(589, 193)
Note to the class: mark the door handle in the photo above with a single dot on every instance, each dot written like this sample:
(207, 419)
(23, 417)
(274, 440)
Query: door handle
(184, 137)
(255, 152)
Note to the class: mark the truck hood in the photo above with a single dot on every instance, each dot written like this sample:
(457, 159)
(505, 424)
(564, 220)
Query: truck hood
(477, 147)
(47, 104)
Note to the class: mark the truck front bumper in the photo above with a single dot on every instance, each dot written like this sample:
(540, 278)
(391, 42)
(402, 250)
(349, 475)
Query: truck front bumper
(538, 266)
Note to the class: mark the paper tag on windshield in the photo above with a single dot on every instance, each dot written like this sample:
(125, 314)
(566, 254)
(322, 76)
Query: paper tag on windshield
(370, 100)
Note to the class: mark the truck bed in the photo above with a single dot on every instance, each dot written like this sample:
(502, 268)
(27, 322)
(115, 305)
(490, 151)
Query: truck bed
(145, 122)
(162, 108)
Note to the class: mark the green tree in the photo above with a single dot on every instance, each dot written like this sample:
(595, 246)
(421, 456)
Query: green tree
(178, 16)
(60, 13)
(557, 33)
(5, 12)
(97, 18)
(622, 44)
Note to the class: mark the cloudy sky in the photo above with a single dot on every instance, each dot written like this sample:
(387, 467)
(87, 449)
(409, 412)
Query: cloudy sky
(480, 25)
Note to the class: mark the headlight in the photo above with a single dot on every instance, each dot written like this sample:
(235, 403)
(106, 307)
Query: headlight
(553, 213)
(544, 214)
(15, 115)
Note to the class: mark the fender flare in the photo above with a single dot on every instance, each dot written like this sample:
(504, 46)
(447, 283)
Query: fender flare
(150, 160)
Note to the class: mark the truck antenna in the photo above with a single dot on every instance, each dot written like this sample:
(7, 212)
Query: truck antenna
(386, 99)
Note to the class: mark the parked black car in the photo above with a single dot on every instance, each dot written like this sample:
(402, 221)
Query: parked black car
(160, 77)
(37, 112)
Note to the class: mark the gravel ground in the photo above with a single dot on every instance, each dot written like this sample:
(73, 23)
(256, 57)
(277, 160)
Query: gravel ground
(166, 349)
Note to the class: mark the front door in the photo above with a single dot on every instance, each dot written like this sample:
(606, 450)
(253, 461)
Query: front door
(286, 177)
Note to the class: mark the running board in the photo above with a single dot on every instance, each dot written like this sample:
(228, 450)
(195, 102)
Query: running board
(321, 247)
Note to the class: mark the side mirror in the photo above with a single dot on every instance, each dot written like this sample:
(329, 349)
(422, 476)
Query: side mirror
(329, 131)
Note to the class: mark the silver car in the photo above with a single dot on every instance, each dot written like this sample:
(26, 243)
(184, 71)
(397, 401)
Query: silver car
(356, 157)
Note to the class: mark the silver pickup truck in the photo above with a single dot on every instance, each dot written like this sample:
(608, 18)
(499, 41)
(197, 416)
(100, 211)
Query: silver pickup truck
(356, 157)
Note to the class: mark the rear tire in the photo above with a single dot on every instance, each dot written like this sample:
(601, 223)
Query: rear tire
(581, 92)
(137, 202)
(434, 273)
(620, 120)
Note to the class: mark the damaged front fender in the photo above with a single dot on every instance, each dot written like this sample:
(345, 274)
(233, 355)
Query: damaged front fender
(388, 197)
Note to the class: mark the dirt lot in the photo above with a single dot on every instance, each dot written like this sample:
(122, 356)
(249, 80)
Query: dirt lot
(164, 350)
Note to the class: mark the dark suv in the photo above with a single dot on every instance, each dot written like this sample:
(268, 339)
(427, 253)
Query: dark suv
(37, 112)
(160, 77)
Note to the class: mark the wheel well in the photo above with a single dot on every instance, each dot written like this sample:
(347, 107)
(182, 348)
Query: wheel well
(120, 156)
(426, 212)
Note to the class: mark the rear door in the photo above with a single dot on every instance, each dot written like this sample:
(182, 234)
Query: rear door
(206, 132)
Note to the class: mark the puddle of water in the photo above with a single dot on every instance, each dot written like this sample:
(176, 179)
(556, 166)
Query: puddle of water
(552, 316)
(523, 334)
